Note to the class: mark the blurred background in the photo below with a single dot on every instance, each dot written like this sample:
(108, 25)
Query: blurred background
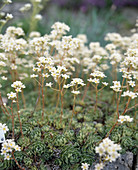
(91, 17)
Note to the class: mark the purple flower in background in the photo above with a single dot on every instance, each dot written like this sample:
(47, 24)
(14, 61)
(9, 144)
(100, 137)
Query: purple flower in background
(100, 3)
(120, 3)
(85, 4)
(89, 3)
(61, 2)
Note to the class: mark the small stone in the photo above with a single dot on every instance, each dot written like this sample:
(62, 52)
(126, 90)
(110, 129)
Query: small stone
(125, 162)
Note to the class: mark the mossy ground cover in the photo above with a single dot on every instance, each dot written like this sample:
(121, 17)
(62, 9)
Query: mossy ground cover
(55, 144)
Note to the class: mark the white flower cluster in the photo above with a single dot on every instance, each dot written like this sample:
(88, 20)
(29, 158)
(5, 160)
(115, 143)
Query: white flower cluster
(125, 118)
(9, 42)
(108, 152)
(26, 7)
(7, 147)
(59, 29)
(44, 62)
(18, 86)
(115, 58)
(39, 45)
(130, 94)
(97, 76)
(77, 81)
(116, 87)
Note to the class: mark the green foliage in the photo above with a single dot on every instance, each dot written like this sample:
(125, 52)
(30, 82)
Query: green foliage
(53, 143)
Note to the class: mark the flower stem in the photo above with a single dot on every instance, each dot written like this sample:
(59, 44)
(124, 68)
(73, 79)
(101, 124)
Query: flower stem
(96, 98)
(12, 120)
(61, 108)
(85, 91)
(5, 109)
(18, 109)
(17, 161)
(43, 98)
(73, 110)
(23, 98)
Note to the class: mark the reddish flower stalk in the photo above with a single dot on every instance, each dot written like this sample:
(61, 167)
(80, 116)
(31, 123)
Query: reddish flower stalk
(43, 98)
(17, 161)
(18, 109)
(12, 120)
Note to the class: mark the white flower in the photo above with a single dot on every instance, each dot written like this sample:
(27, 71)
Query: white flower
(38, 0)
(98, 74)
(33, 75)
(95, 80)
(4, 127)
(38, 17)
(117, 83)
(9, 16)
(7, 147)
(11, 95)
(85, 166)
(75, 92)
(107, 151)
(18, 89)
(18, 85)
(17, 148)
(131, 83)
(129, 94)
(49, 84)
(13, 67)
(3, 152)
(2, 63)
(7, 157)
(104, 83)
(90, 80)
(99, 166)
(66, 86)
(45, 75)
(65, 76)
(114, 156)
(77, 81)
(7, 1)
(125, 119)
(116, 87)
(100, 150)
(4, 78)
